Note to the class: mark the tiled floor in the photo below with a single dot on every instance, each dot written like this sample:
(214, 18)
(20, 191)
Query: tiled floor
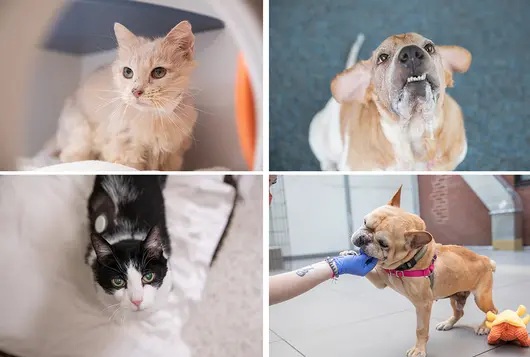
(350, 317)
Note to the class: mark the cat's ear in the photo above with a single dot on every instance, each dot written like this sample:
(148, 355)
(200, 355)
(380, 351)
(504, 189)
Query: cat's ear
(183, 37)
(101, 246)
(153, 242)
(123, 35)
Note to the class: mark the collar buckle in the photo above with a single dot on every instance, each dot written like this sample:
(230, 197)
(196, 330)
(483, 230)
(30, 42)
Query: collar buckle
(397, 273)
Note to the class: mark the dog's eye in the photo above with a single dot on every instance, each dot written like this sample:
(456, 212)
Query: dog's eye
(382, 58)
(382, 243)
(365, 221)
(429, 48)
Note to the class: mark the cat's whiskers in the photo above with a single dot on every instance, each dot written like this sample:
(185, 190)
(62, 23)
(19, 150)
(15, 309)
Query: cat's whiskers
(112, 100)
(187, 130)
(114, 313)
(110, 306)
(197, 109)
(111, 268)
(158, 116)
(180, 113)
(109, 90)
(123, 115)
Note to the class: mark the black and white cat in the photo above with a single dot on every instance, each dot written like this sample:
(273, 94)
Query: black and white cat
(130, 244)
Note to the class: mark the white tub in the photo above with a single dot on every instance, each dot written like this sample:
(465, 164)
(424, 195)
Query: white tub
(36, 98)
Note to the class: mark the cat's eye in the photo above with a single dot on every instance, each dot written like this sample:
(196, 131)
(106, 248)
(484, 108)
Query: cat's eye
(149, 277)
(127, 72)
(429, 48)
(158, 72)
(118, 283)
(382, 58)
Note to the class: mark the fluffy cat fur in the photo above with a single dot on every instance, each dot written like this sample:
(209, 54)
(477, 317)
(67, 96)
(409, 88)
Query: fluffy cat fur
(130, 244)
(137, 112)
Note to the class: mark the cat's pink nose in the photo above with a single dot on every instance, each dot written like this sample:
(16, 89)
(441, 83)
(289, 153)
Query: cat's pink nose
(137, 92)
(137, 302)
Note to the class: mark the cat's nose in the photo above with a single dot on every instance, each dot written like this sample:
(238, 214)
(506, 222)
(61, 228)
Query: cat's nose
(137, 92)
(137, 302)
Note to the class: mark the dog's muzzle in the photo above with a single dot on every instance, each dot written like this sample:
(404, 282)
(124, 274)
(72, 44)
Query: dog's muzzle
(362, 238)
(412, 59)
(415, 71)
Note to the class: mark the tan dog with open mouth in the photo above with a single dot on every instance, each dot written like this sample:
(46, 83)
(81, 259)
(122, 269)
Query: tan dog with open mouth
(391, 112)
(407, 254)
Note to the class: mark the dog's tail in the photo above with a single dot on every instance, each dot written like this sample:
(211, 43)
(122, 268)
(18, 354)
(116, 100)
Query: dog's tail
(493, 265)
(354, 52)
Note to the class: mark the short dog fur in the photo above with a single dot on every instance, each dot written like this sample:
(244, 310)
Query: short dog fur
(391, 112)
(394, 236)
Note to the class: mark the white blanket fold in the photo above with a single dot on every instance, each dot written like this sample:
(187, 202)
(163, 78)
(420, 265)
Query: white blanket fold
(48, 306)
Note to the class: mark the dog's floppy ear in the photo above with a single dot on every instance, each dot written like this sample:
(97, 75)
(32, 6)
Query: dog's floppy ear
(417, 239)
(396, 199)
(455, 58)
(352, 83)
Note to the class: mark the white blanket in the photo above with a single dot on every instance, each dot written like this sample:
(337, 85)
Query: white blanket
(47, 302)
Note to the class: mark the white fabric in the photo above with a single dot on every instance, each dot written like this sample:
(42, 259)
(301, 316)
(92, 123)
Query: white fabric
(85, 166)
(48, 306)
(47, 163)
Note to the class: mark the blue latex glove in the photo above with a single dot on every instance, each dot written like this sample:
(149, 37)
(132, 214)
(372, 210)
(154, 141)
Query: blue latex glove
(360, 264)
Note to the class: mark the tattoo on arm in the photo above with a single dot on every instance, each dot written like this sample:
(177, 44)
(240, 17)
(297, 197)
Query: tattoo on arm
(303, 271)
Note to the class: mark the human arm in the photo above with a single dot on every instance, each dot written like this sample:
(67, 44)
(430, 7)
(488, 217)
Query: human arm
(286, 286)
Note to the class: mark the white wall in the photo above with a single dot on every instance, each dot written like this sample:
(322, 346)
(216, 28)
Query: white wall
(317, 211)
(369, 192)
(54, 77)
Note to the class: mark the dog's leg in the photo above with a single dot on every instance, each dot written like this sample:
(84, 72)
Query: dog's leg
(423, 314)
(375, 279)
(458, 301)
(484, 300)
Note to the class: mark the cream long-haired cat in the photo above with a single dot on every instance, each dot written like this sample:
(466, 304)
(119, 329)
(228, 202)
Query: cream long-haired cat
(138, 111)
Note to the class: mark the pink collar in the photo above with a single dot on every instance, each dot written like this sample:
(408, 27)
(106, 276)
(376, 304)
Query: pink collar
(412, 273)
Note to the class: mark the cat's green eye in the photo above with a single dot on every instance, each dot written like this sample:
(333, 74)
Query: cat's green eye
(118, 283)
(158, 72)
(127, 72)
(149, 277)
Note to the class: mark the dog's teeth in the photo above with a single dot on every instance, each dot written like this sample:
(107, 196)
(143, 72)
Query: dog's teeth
(417, 79)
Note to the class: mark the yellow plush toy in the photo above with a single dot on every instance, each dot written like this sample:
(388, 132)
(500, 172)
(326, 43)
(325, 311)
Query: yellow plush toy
(508, 326)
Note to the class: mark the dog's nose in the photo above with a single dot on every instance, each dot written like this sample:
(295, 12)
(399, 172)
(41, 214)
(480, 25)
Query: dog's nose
(411, 56)
(362, 240)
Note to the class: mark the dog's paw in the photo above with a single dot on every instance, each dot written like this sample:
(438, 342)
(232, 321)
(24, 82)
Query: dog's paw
(348, 252)
(482, 329)
(416, 352)
(445, 326)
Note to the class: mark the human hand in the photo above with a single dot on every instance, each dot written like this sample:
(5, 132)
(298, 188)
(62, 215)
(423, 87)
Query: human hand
(359, 265)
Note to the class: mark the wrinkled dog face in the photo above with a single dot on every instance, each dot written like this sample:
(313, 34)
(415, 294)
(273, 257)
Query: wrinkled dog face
(408, 73)
(390, 234)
